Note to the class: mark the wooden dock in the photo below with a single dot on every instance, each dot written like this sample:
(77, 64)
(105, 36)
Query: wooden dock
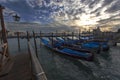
(26, 66)
(21, 68)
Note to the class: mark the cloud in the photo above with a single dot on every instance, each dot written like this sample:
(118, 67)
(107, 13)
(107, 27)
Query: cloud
(74, 9)
(3, 1)
(115, 7)
(83, 12)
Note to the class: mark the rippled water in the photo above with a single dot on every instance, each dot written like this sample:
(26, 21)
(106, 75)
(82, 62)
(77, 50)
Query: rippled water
(106, 65)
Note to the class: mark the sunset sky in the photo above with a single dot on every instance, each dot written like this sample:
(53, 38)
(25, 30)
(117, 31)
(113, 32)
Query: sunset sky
(80, 13)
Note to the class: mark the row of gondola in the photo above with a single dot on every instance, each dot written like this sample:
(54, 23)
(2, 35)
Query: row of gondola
(77, 48)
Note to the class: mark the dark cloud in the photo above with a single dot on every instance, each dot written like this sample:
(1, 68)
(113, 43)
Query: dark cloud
(47, 1)
(93, 3)
(97, 14)
(115, 7)
(97, 11)
(82, 1)
(107, 2)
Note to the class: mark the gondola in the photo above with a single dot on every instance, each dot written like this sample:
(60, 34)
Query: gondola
(66, 50)
(96, 43)
(80, 44)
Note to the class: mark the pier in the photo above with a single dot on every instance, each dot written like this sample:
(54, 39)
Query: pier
(23, 65)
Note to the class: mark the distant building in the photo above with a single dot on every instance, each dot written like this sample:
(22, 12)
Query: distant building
(118, 30)
(97, 31)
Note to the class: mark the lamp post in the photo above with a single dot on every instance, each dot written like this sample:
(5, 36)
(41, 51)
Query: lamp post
(3, 25)
(4, 36)
(16, 19)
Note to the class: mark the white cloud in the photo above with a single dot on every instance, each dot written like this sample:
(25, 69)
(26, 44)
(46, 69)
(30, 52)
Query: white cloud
(3, 1)
(33, 3)
(8, 12)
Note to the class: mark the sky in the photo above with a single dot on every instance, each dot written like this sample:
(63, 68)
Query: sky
(76, 13)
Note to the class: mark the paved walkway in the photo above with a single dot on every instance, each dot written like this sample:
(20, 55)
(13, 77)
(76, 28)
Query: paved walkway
(20, 70)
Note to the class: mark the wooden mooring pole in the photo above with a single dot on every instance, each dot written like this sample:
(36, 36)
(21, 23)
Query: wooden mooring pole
(28, 39)
(18, 37)
(79, 34)
(65, 36)
(72, 35)
(35, 43)
(40, 39)
(52, 39)
(56, 34)
(28, 36)
(62, 35)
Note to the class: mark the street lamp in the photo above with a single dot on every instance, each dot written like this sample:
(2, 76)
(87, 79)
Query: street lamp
(16, 18)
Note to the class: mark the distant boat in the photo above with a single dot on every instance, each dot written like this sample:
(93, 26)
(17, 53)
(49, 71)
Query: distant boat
(63, 49)
(80, 44)
(91, 42)
(96, 43)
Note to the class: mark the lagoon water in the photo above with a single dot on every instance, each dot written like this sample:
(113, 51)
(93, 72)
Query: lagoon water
(106, 65)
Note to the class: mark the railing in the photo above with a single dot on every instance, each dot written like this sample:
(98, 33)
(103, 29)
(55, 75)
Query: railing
(37, 71)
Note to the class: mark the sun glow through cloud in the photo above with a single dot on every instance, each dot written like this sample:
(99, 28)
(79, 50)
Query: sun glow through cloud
(86, 20)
